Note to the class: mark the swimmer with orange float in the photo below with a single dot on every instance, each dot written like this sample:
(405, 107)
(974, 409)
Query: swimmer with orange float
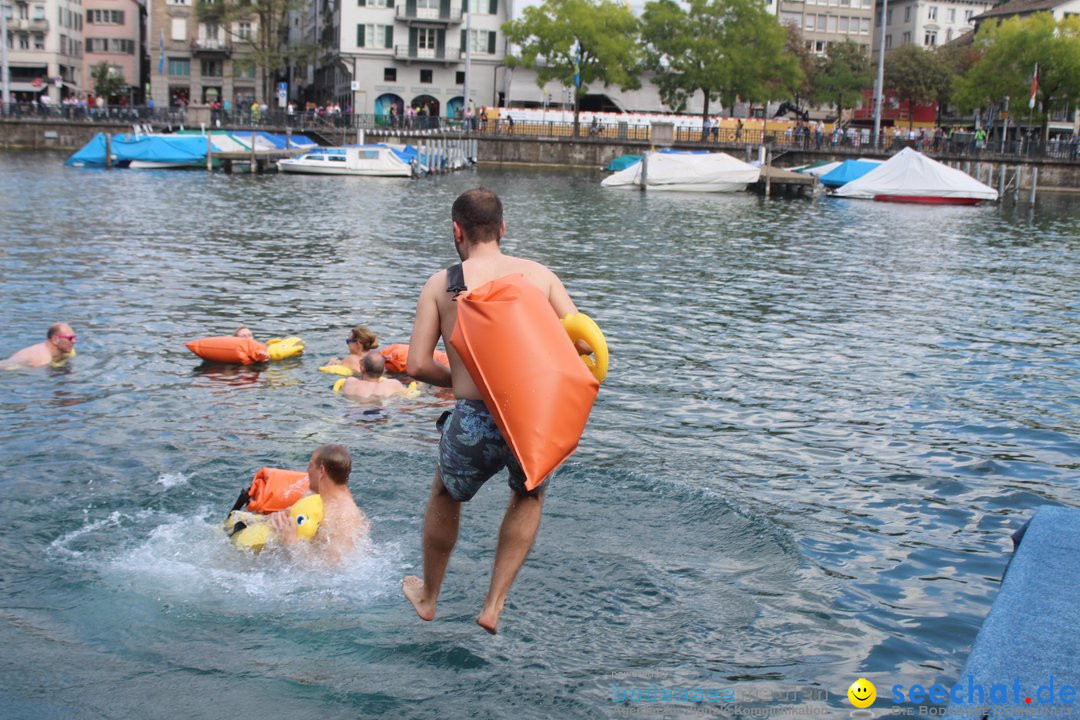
(359, 342)
(57, 349)
(241, 348)
(290, 507)
(523, 394)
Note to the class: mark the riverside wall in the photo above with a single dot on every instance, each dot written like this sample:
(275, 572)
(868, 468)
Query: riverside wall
(1054, 174)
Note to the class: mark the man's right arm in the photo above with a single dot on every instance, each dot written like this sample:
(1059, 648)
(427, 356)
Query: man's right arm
(427, 328)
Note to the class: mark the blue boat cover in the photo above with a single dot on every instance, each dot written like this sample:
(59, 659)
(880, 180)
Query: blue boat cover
(1029, 646)
(186, 149)
(847, 171)
(278, 141)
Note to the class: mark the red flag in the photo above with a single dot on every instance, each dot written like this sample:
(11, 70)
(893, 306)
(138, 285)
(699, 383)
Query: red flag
(1034, 87)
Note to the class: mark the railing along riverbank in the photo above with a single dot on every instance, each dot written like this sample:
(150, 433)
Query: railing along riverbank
(336, 127)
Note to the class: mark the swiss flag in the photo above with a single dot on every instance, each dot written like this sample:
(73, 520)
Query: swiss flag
(1034, 87)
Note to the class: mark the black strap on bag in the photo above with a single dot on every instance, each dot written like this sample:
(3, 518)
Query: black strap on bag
(455, 280)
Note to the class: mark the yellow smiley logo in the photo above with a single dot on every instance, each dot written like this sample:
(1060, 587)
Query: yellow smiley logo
(862, 693)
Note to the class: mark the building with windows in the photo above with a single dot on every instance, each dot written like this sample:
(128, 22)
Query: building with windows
(45, 48)
(824, 22)
(927, 23)
(113, 34)
(1060, 9)
(197, 62)
(376, 54)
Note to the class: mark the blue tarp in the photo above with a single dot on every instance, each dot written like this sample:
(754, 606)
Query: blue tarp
(847, 171)
(185, 149)
(278, 141)
(1029, 640)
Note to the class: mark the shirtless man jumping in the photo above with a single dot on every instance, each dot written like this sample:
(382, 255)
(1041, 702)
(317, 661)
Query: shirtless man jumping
(468, 458)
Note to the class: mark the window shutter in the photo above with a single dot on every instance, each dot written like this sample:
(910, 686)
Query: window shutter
(444, 9)
(361, 3)
(389, 36)
(359, 36)
(440, 43)
(412, 42)
(491, 42)
(494, 6)
(463, 45)
(410, 8)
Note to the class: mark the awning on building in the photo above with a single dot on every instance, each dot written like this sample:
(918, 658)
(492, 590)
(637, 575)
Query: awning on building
(25, 87)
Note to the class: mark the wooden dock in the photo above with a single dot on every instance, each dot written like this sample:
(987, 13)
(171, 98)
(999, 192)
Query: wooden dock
(774, 181)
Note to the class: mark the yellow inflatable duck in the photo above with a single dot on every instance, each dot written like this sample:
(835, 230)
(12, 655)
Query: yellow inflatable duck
(252, 531)
(281, 348)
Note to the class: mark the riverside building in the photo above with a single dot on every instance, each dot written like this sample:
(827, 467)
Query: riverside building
(45, 48)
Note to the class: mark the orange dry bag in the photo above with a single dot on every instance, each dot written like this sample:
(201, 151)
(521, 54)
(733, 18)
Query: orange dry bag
(528, 372)
(397, 357)
(229, 349)
(272, 490)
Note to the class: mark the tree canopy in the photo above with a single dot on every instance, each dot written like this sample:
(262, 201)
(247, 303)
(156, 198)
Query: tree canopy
(725, 49)
(594, 39)
(917, 75)
(107, 79)
(842, 75)
(1010, 50)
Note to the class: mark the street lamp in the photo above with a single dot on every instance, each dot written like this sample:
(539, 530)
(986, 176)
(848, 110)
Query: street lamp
(5, 85)
(879, 86)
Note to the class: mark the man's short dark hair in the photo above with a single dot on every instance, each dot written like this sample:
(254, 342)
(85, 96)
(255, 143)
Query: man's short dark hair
(479, 212)
(374, 363)
(54, 330)
(337, 461)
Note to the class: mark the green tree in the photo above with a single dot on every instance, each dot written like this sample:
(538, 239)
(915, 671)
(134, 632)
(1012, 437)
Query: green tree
(842, 76)
(807, 62)
(108, 80)
(1011, 49)
(257, 28)
(726, 49)
(593, 39)
(915, 74)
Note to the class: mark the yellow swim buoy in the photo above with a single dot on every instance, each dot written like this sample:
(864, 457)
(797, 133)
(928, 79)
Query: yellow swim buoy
(281, 348)
(337, 370)
(251, 531)
(580, 326)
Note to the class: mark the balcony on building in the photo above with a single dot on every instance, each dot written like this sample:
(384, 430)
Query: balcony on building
(210, 46)
(26, 25)
(424, 11)
(411, 54)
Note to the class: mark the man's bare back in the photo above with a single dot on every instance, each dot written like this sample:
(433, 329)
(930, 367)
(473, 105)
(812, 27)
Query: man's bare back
(478, 270)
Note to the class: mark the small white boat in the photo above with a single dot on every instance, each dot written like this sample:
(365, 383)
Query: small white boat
(377, 160)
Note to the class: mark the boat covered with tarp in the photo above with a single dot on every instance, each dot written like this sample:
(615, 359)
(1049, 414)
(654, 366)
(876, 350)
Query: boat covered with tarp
(911, 177)
(847, 171)
(686, 172)
(143, 151)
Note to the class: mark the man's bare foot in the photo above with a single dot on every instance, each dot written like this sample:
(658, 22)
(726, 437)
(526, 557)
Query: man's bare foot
(413, 588)
(489, 619)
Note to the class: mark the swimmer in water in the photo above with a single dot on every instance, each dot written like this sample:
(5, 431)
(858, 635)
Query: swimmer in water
(243, 332)
(58, 347)
(344, 525)
(360, 341)
(372, 382)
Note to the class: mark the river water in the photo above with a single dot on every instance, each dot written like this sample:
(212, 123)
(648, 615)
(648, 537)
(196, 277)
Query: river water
(822, 422)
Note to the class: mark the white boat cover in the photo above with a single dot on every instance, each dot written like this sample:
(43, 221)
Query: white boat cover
(909, 173)
(688, 172)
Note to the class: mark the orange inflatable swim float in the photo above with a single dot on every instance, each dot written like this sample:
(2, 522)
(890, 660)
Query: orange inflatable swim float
(229, 349)
(397, 357)
(533, 382)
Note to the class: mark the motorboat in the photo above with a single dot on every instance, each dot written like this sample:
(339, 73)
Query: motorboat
(375, 160)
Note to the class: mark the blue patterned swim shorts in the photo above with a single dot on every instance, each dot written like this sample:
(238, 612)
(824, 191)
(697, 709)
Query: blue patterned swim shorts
(472, 450)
